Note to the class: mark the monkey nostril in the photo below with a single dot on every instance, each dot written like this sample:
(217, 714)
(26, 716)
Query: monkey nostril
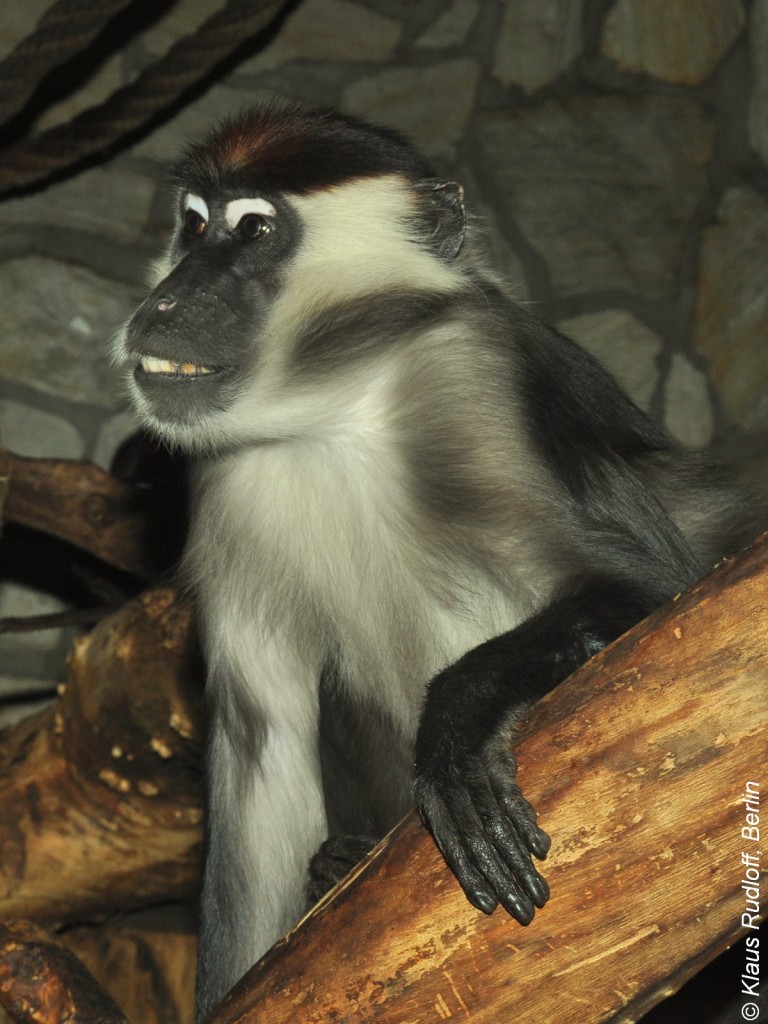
(164, 304)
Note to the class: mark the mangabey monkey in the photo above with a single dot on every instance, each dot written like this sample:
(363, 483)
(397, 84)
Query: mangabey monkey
(416, 509)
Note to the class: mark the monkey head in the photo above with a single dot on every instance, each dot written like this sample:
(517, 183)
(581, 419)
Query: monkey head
(282, 217)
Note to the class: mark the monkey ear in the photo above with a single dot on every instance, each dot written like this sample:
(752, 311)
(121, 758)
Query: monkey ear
(442, 205)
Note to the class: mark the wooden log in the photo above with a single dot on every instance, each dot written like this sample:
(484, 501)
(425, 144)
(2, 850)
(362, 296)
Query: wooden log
(43, 983)
(81, 504)
(143, 963)
(100, 795)
(144, 960)
(638, 765)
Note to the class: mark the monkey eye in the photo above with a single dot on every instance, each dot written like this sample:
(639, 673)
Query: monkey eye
(194, 223)
(253, 226)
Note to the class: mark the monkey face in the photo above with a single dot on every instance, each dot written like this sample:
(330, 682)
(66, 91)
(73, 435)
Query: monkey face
(191, 345)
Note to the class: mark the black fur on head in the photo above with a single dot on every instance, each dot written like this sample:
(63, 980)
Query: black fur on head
(284, 148)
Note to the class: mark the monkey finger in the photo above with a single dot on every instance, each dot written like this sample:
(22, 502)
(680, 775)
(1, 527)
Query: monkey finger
(511, 846)
(336, 857)
(440, 823)
(349, 849)
(504, 882)
(477, 843)
(535, 839)
(523, 815)
(516, 855)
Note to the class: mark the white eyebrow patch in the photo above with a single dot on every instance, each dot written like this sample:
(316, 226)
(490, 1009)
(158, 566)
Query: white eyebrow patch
(238, 208)
(193, 202)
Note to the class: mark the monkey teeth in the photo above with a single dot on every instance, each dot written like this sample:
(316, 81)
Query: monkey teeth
(151, 364)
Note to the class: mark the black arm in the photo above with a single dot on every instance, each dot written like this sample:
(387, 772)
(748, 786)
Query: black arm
(465, 785)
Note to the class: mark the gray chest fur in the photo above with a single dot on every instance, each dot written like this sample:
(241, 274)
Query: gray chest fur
(323, 545)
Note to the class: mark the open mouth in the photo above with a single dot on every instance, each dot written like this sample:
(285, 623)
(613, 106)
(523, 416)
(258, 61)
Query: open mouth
(152, 366)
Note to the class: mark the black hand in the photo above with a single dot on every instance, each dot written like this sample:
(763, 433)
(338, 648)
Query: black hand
(464, 785)
(335, 858)
(484, 828)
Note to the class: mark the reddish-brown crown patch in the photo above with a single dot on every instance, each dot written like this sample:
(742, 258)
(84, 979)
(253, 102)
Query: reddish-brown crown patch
(289, 149)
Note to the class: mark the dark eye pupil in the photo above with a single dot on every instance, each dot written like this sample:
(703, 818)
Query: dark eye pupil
(193, 223)
(253, 226)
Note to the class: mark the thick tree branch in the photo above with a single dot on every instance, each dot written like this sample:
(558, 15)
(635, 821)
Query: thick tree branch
(43, 983)
(81, 504)
(142, 962)
(100, 795)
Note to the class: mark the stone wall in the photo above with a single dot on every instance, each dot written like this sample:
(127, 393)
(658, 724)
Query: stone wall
(616, 148)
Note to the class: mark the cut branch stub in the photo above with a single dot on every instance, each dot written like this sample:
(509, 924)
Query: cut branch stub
(100, 795)
(43, 983)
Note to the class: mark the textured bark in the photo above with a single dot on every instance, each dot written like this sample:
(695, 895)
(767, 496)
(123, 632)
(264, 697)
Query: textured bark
(637, 765)
(143, 963)
(81, 504)
(43, 983)
(100, 796)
